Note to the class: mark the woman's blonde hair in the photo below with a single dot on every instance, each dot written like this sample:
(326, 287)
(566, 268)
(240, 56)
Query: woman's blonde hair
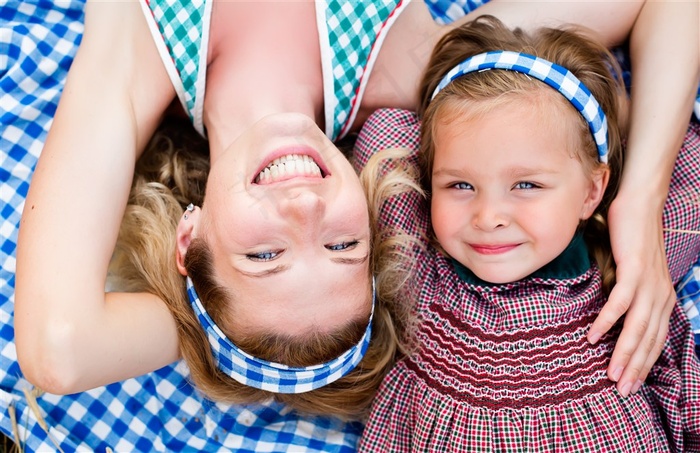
(571, 48)
(172, 173)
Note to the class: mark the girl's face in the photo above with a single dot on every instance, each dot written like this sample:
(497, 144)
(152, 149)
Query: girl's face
(287, 221)
(508, 191)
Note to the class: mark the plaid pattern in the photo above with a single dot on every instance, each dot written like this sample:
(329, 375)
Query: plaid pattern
(37, 42)
(270, 376)
(446, 11)
(350, 36)
(552, 74)
(160, 411)
(507, 367)
(183, 27)
(355, 32)
(689, 296)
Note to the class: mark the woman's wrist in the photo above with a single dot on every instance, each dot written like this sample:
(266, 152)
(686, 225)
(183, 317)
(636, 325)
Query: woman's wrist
(647, 198)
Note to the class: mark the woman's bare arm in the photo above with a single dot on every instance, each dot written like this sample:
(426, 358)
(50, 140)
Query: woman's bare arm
(407, 48)
(70, 334)
(665, 69)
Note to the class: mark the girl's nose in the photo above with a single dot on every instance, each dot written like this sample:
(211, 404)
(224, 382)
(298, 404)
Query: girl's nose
(490, 214)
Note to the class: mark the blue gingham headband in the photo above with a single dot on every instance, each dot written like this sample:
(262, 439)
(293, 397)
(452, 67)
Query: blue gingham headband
(271, 376)
(553, 75)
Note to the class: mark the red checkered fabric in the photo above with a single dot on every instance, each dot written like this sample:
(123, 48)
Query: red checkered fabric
(508, 367)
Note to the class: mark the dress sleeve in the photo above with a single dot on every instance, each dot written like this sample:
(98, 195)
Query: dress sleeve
(387, 128)
(674, 385)
(681, 217)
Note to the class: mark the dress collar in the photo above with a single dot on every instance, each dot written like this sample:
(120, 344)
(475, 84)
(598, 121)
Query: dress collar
(571, 263)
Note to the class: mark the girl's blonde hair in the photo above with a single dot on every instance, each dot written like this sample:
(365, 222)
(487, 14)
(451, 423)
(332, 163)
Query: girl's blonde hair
(571, 48)
(172, 173)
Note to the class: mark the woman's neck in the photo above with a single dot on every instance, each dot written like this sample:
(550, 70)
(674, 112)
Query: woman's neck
(264, 58)
(401, 61)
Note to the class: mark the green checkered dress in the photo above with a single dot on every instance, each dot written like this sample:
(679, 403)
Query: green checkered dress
(350, 35)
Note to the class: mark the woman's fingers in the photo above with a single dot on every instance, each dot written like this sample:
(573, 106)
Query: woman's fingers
(648, 304)
(617, 305)
(658, 346)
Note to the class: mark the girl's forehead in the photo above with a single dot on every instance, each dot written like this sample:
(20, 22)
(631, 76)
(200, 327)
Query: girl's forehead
(515, 132)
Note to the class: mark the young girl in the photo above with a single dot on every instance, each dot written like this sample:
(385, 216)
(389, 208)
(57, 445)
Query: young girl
(521, 154)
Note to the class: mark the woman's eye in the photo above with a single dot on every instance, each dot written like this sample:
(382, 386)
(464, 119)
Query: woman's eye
(525, 185)
(462, 186)
(263, 256)
(341, 246)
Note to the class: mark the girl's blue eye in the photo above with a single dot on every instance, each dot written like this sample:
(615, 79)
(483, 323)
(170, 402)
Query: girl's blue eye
(263, 256)
(341, 246)
(525, 185)
(462, 186)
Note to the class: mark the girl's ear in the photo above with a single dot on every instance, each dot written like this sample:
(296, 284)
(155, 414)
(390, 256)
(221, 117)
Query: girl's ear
(186, 231)
(596, 190)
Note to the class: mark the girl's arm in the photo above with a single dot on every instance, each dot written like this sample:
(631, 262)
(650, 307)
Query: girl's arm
(665, 70)
(70, 334)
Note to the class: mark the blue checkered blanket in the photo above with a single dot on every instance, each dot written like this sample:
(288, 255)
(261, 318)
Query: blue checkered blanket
(159, 411)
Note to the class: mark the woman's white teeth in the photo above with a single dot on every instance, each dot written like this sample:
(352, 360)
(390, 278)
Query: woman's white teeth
(292, 164)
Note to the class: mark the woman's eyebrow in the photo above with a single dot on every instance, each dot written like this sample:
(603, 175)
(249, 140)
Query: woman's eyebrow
(284, 267)
(266, 272)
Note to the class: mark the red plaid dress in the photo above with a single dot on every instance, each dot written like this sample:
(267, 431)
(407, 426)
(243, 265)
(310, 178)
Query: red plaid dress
(508, 367)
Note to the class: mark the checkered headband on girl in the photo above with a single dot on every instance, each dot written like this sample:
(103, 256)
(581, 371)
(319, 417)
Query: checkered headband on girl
(271, 376)
(550, 73)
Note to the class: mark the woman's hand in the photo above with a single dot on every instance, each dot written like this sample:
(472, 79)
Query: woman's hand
(643, 291)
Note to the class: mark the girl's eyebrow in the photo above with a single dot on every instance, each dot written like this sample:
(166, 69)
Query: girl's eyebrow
(448, 172)
(520, 171)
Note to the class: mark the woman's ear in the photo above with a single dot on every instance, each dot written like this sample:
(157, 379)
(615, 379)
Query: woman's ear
(596, 190)
(186, 231)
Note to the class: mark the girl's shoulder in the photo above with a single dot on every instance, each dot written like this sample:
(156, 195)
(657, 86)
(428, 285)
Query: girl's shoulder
(384, 129)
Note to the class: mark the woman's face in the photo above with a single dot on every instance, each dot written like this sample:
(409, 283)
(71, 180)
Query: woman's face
(287, 221)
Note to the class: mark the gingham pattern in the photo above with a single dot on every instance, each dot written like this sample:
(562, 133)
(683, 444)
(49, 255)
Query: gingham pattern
(446, 11)
(350, 36)
(550, 73)
(689, 296)
(355, 32)
(159, 411)
(508, 367)
(271, 376)
(37, 42)
(183, 27)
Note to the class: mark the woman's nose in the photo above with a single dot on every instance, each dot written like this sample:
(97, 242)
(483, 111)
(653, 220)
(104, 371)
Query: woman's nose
(305, 207)
(490, 214)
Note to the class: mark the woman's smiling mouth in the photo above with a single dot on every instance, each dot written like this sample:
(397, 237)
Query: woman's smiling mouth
(287, 167)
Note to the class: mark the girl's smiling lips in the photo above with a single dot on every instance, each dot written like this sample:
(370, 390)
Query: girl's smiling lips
(493, 249)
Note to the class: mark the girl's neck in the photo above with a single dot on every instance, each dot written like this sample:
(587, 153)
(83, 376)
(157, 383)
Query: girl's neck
(264, 58)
